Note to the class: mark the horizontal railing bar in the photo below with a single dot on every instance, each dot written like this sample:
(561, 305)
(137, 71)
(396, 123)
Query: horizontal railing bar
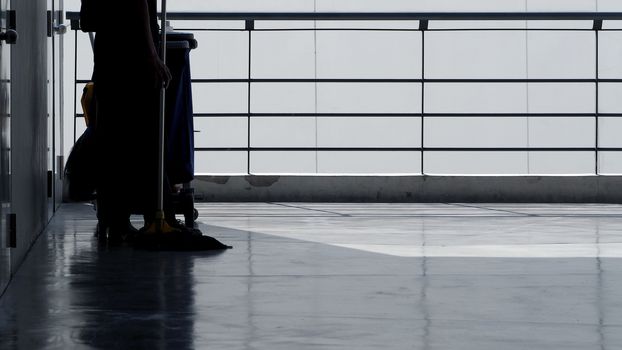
(509, 115)
(387, 16)
(531, 29)
(409, 149)
(403, 80)
(301, 149)
(404, 115)
(397, 80)
(433, 115)
(287, 115)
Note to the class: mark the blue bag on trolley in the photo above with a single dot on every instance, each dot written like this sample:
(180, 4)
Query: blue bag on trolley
(179, 113)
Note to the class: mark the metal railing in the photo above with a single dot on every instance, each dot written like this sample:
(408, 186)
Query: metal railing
(423, 19)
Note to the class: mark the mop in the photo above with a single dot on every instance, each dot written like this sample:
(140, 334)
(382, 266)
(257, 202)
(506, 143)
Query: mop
(159, 235)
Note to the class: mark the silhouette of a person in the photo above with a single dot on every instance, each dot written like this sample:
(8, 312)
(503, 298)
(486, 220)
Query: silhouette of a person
(128, 76)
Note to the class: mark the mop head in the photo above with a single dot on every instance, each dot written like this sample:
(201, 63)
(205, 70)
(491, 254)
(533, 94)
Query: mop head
(182, 241)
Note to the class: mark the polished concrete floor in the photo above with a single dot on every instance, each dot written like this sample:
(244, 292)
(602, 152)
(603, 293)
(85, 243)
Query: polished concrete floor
(332, 276)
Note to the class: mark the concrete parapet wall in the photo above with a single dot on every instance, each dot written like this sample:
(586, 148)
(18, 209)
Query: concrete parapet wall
(510, 189)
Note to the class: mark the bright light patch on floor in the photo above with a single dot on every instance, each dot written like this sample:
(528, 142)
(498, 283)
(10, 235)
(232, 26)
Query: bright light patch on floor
(496, 251)
(436, 230)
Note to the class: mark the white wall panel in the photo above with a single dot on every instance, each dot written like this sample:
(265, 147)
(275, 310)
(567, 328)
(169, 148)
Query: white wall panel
(422, 5)
(369, 132)
(562, 132)
(283, 97)
(283, 55)
(562, 98)
(561, 5)
(610, 51)
(369, 98)
(369, 54)
(562, 55)
(610, 132)
(285, 162)
(462, 55)
(220, 163)
(475, 132)
(220, 55)
(283, 132)
(475, 98)
(609, 98)
(475, 163)
(459, 25)
(610, 163)
(559, 163)
(220, 98)
(241, 5)
(408, 25)
(85, 61)
(609, 5)
(369, 162)
(220, 132)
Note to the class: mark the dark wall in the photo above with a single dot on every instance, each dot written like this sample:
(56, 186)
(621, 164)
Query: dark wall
(29, 124)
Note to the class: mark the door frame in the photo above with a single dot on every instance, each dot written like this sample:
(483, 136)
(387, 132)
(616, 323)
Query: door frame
(5, 148)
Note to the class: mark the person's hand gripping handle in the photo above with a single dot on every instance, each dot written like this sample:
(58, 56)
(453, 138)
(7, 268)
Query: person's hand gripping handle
(162, 75)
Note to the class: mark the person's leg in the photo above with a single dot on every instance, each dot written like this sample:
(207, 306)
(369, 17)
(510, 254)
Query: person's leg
(112, 208)
(143, 176)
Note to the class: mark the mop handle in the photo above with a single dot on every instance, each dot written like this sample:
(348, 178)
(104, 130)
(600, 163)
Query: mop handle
(162, 117)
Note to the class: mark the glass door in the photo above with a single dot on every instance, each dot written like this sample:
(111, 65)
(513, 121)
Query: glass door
(7, 36)
(59, 30)
(55, 157)
(51, 107)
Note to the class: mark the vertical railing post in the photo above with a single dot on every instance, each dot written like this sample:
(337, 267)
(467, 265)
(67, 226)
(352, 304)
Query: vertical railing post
(423, 26)
(598, 25)
(75, 83)
(53, 114)
(249, 26)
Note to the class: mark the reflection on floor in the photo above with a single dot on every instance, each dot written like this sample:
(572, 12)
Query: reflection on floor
(332, 276)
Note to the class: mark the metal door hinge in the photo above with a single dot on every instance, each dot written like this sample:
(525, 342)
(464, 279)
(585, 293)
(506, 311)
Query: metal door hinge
(11, 20)
(11, 237)
(50, 183)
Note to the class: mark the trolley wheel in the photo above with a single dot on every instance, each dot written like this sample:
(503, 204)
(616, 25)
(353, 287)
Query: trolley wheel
(195, 214)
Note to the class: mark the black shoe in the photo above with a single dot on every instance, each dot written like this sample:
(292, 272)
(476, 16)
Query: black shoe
(180, 226)
(115, 233)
